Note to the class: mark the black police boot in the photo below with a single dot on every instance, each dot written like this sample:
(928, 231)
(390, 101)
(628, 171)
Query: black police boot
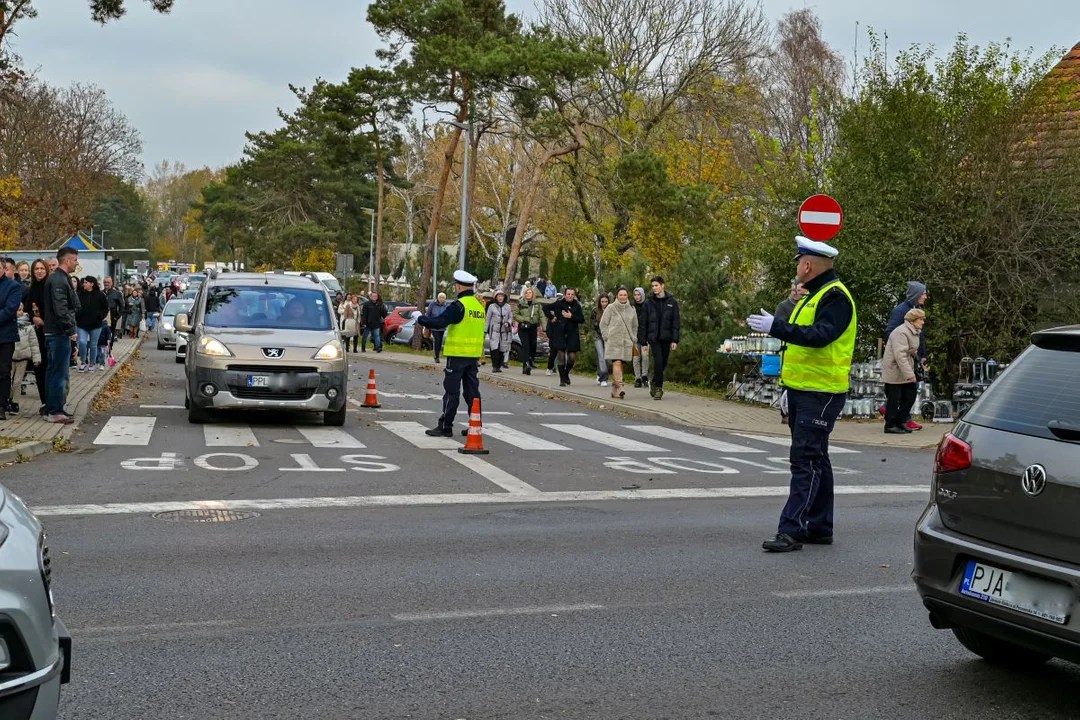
(782, 543)
(439, 432)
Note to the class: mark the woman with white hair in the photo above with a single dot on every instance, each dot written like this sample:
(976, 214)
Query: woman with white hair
(499, 330)
(898, 371)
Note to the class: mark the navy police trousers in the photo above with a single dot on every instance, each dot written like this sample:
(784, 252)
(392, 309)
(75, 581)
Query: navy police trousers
(461, 375)
(809, 509)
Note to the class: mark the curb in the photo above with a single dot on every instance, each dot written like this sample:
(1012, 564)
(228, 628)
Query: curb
(25, 451)
(657, 414)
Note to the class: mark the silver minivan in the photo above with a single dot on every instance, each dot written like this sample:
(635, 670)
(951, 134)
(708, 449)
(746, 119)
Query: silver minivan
(997, 550)
(263, 342)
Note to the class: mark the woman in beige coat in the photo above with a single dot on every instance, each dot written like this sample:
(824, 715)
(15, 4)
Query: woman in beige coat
(619, 328)
(898, 371)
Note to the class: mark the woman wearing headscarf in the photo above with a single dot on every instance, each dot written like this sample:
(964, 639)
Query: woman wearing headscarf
(93, 309)
(499, 330)
(641, 348)
(598, 340)
(529, 314)
(566, 317)
(619, 326)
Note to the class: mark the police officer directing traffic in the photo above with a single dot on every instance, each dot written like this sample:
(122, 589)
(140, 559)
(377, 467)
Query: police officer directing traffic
(819, 341)
(464, 322)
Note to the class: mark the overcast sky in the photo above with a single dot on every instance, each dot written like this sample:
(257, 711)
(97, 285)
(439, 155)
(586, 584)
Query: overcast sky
(194, 81)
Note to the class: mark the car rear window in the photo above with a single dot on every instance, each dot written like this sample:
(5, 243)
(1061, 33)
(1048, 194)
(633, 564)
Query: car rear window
(1040, 386)
(267, 308)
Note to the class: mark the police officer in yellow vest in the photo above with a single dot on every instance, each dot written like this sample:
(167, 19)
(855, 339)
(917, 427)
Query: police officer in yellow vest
(819, 341)
(464, 322)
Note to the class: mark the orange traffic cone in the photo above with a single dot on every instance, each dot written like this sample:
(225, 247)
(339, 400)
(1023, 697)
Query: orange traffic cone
(372, 399)
(474, 442)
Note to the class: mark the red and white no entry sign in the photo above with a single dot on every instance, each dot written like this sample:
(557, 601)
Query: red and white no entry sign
(820, 218)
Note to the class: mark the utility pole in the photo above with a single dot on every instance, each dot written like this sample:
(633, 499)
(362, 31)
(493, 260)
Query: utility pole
(468, 128)
(371, 248)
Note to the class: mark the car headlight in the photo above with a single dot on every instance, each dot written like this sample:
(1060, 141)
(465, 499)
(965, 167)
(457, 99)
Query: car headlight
(167, 325)
(212, 346)
(330, 351)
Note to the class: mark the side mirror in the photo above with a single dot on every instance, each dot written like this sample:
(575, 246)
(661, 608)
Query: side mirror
(182, 323)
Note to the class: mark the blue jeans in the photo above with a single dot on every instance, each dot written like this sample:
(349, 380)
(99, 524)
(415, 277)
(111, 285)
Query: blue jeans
(56, 375)
(376, 337)
(89, 353)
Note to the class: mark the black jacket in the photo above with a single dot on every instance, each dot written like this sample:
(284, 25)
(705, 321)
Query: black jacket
(662, 318)
(564, 333)
(373, 314)
(152, 302)
(61, 304)
(93, 307)
(831, 318)
(117, 304)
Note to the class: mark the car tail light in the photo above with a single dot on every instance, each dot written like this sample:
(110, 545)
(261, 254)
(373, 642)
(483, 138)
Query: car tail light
(953, 455)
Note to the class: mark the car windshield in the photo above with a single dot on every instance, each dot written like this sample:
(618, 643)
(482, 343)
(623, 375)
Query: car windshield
(175, 307)
(267, 308)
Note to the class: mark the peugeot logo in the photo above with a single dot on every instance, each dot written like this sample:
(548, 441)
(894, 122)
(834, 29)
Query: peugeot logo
(1033, 481)
(273, 352)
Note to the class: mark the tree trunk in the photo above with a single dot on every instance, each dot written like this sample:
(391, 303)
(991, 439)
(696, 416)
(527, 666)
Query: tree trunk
(529, 198)
(433, 227)
(474, 151)
(380, 189)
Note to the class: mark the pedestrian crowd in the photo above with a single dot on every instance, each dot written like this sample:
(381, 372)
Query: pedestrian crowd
(52, 321)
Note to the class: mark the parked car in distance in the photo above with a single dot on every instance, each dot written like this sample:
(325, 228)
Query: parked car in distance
(997, 550)
(35, 647)
(395, 319)
(404, 334)
(166, 326)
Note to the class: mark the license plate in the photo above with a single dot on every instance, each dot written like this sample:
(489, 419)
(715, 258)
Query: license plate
(1017, 591)
(258, 381)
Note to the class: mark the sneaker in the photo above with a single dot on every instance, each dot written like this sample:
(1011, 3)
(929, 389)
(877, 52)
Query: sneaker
(912, 425)
(550, 372)
(82, 368)
(637, 383)
(59, 419)
(91, 368)
(603, 383)
(890, 430)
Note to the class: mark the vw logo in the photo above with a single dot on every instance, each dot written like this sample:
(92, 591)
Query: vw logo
(273, 352)
(1033, 481)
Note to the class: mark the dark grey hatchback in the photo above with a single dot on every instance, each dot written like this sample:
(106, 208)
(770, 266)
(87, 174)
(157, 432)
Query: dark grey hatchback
(997, 551)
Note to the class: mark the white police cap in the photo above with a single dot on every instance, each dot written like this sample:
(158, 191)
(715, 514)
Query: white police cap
(464, 278)
(813, 247)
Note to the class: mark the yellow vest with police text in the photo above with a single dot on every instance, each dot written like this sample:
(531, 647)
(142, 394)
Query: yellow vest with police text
(466, 338)
(826, 369)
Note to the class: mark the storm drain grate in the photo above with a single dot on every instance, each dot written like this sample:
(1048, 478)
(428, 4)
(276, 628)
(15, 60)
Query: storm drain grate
(205, 516)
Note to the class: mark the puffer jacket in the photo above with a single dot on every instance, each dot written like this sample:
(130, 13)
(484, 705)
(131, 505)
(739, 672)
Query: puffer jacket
(27, 347)
(898, 365)
(529, 313)
(499, 326)
(663, 318)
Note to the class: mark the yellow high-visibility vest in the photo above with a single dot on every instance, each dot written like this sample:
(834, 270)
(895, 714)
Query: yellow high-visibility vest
(466, 338)
(826, 369)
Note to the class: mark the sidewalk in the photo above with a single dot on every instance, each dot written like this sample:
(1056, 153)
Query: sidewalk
(35, 435)
(692, 410)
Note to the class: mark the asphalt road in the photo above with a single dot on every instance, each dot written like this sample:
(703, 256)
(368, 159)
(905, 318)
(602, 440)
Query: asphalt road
(525, 586)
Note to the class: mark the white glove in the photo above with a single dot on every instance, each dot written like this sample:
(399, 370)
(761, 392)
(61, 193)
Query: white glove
(760, 323)
(783, 403)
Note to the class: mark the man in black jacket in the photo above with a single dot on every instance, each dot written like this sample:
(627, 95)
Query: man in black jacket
(372, 315)
(117, 306)
(662, 333)
(61, 304)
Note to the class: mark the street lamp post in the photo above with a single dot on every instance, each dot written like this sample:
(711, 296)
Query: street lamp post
(468, 128)
(103, 238)
(371, 248)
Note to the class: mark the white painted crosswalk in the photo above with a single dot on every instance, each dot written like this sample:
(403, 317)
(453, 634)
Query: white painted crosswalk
(126, 430)
(610, 440)
(139, 431)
